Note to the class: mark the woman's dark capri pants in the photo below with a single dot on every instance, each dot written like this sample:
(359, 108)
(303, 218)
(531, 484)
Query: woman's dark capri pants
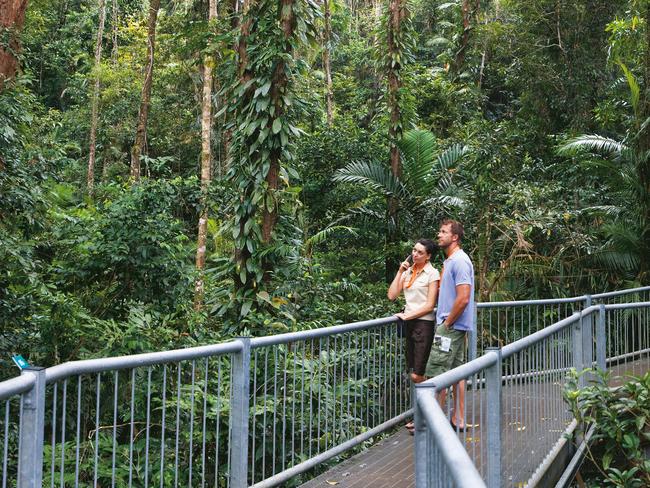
(419, 337)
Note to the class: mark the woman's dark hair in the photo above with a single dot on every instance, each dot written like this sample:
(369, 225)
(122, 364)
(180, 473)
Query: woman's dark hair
(429, 245)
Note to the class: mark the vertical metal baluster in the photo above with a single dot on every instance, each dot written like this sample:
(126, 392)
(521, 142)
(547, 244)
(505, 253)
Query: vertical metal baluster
(342, 356)
(5, 449)
(114, 447)
(162, 427)
(146, 442)
(178, 422)
(316, 369)
(302, 396)
(64, 408)
(205, 407)
(275, 405)
(293, 407)
(334, 397)
(254, 404)
(76, 468)
(284, 407)
(322, 407)
(266, 368)
(131, 439)
(97, 398)
(351, 428)
(53, 459)
(366, 376)
(218, 418)
(191, 453)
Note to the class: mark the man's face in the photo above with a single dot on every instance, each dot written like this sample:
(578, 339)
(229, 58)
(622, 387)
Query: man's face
(445, 237)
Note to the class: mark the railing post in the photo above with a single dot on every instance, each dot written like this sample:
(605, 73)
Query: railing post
(577, 341)
(239, 407)
(494, 415)
(473, 336)
(588, 336)
(32, 425)
(423, 451)
(601, 339)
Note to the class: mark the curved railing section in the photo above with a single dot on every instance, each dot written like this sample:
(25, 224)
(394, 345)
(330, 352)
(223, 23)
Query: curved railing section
(259, 411)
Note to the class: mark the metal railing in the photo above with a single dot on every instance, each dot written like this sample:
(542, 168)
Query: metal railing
(253, 411)
(515, 414)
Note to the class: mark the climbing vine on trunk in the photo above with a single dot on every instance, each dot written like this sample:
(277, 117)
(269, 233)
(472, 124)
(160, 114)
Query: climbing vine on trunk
(263, 132)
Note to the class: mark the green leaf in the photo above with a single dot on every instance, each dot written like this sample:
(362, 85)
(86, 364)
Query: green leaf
(277, 125)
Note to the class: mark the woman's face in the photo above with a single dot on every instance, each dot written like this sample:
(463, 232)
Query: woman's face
(420, 254)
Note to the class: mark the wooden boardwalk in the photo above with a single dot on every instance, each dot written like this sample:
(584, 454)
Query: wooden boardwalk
(390, 462)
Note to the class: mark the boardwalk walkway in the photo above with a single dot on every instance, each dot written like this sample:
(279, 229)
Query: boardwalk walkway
(390, 463)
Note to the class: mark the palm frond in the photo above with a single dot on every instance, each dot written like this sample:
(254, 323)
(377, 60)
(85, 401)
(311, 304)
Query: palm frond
(324, 234)
(594, 143)
(617, 260)
(373, 176)
(451, 156)
(418, 151)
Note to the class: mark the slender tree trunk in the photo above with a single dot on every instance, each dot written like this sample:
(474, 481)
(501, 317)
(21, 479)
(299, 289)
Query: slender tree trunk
(468, 10)
(12, 17)
(90, 181)
(396, 13)
(643, 165)
(115, 29)
(279, 86)
(143, 114)
(206, 163)
(327, 36)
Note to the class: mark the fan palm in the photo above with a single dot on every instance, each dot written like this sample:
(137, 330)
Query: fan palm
(426, 185)
(626, 245)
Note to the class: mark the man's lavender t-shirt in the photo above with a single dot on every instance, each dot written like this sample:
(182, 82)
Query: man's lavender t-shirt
(457, 270)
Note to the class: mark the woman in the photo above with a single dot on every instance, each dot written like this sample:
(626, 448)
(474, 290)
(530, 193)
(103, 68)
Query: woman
(419, 282)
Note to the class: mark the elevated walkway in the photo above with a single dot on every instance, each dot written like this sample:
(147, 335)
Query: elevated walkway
(390, 463)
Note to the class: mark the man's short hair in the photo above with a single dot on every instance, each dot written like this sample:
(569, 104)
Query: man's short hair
(456, 228)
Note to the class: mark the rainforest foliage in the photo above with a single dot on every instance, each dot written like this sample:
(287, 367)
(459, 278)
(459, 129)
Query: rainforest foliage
(309, 143)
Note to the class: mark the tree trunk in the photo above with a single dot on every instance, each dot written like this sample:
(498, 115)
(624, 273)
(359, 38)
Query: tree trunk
(279, 85)
(643, 165)
(468, 11)
(115, 26)
(12, 17)
(396, 13)
(90, 181)
(206, 163)
(145, 102)
(327, 36)
(243, 254)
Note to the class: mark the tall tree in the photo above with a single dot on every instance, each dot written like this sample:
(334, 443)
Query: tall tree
(206, 161)
(469, 9)
(327, 40)
(90, 177)
(115, 12)
(398, 53)
(145, 98)
(12, 17)
(279, 86)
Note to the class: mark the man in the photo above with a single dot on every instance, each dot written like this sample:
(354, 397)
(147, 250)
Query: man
(455, 315)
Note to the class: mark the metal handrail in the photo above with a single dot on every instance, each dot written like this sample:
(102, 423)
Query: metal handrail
(91, 366)
(240, 349)
(460, 465)
(16, 386)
